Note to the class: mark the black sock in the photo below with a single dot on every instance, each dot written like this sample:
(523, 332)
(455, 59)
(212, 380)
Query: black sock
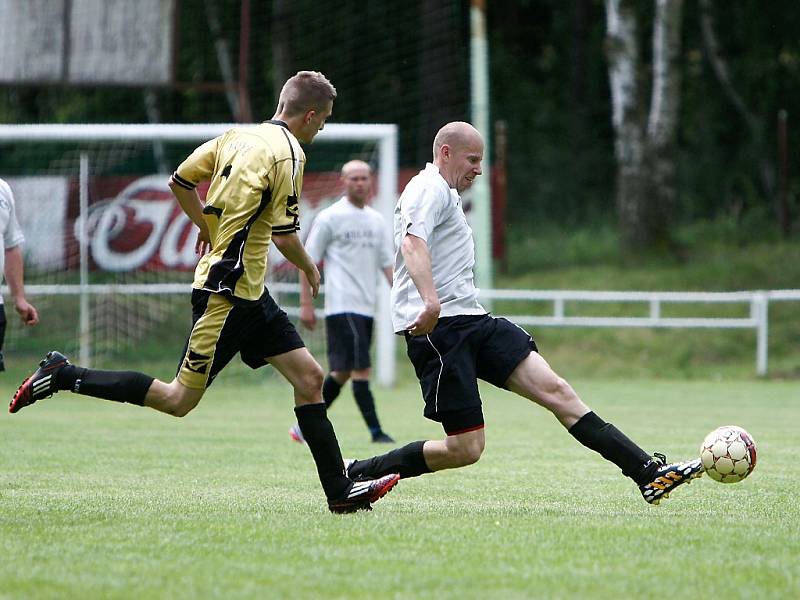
(613, 445)
(118, 386)
(366, 404)
(321, 439)
(408, 461)
(330, 390)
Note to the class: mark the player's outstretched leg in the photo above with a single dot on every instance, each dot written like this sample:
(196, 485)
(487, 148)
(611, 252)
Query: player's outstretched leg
(41, 384)
(534, 379)
(56, 373)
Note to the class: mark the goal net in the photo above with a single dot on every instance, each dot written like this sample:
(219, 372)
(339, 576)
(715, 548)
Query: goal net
(109, 255)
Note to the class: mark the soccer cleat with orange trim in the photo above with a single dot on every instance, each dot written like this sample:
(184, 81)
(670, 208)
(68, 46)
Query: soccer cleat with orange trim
(669, 476)
(362, 494)
(42, 384)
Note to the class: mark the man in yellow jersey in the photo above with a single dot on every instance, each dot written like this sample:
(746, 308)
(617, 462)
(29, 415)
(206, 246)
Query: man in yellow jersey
(256, 175)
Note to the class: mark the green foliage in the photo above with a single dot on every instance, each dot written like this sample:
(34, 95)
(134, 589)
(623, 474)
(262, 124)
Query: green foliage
(103, 500)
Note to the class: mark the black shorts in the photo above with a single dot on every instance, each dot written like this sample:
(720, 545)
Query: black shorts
(349, 339)
(221, 329)
(459, 351)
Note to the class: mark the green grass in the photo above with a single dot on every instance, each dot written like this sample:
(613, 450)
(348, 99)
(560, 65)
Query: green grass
(106, 501)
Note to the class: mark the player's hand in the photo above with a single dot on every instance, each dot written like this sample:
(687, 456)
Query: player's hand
(307, 317)
(426, 320)
(203, 243)
(27, 312)
(312, 273)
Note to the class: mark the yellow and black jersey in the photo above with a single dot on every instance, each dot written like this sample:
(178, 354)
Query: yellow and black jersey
(256, 175)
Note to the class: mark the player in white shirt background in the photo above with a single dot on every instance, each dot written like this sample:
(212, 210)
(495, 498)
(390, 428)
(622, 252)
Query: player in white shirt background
(352, 242)
(11, 265)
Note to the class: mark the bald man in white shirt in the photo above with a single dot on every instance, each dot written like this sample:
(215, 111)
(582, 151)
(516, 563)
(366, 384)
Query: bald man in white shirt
(452, 341)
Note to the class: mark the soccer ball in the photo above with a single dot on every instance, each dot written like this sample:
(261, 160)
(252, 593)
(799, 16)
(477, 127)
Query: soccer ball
(728, 454)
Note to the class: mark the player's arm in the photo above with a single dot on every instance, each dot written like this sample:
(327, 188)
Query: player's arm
(14, 270)
(198, 166)
(292, 248)
(417, 259)
(307, 316)
(190, 203)
(420, 212)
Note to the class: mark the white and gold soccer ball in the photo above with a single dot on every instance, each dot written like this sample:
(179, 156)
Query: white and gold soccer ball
(728, 454)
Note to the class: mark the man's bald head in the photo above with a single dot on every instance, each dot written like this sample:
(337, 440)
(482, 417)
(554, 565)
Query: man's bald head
(457, 153)
(456, 134)
(355, 165)
(357, 180)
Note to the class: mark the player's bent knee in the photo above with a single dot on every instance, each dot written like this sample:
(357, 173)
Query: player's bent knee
(466, 452)
(310, 383)
(180, 407)
(178, 400)
(470, 455)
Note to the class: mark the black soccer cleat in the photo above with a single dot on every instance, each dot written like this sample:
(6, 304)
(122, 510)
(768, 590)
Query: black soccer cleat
(42, 384)
(362, 494)
(669, 476)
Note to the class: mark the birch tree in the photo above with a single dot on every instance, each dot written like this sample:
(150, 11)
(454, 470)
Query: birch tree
(644, 138)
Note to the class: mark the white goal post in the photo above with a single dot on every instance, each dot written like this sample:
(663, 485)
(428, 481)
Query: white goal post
(384, 136)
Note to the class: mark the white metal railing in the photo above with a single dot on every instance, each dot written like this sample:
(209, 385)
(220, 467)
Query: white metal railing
(758, 318)
(758, 301)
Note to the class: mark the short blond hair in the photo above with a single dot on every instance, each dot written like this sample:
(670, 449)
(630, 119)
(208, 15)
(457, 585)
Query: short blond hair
(307, 90)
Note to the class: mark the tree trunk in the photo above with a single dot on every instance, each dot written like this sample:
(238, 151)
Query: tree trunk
(623, 64)
(662, 124)
(645, 157)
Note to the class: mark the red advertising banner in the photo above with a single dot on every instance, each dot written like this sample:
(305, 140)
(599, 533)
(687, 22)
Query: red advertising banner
(133, 223)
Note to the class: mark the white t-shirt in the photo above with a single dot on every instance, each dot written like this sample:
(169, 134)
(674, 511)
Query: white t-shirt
(354, 243)
(429, 209)
(9, 226)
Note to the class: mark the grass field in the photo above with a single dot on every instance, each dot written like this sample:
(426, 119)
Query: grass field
(107, 501)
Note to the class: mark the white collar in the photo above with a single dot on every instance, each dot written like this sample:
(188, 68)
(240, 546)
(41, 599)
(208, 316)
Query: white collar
(432, 170)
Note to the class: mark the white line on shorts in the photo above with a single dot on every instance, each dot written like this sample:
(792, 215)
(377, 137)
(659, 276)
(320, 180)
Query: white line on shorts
(439, 378)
